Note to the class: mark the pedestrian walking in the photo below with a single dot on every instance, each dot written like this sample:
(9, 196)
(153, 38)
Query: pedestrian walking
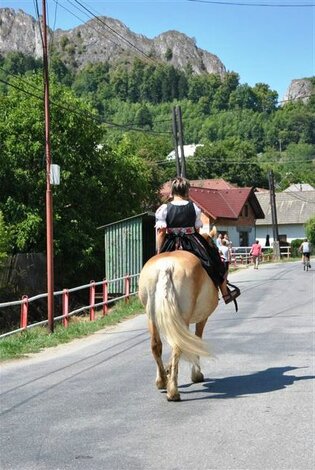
(256, 253)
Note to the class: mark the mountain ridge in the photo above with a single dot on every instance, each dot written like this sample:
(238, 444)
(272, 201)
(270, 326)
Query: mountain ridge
(105, 39)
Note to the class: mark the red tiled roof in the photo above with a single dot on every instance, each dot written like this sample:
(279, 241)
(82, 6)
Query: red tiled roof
(226, 203)
(218, 183)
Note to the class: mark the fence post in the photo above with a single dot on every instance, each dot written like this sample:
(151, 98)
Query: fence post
(92, 300)
(65, 307)
(127, 288)
(24, 312)
(105, 297)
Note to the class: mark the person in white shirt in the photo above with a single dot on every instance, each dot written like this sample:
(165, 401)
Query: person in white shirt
(225, 251)
(305, 249)
(178, 224)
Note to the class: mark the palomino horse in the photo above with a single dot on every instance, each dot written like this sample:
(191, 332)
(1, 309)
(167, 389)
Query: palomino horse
(176, 290)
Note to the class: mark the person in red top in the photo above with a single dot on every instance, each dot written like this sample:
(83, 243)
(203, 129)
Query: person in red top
(256, 253)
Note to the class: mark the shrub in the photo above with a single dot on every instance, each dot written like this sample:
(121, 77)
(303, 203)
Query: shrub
(310, 230)
(295, 244)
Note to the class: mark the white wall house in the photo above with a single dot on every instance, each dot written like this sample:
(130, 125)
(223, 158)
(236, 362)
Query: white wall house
(294, 209)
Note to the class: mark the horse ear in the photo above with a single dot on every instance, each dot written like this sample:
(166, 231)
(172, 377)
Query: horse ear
(213, 232)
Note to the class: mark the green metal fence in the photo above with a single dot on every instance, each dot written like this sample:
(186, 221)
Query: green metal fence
(129, 243)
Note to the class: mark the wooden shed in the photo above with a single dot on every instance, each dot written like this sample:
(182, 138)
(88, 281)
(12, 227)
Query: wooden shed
(129, 243)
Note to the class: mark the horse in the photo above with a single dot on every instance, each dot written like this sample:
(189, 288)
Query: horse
(176, 291)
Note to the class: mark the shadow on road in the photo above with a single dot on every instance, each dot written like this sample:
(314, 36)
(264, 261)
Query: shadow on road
(265, 381)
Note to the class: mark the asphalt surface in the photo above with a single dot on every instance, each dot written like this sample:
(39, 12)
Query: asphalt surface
(92, 404)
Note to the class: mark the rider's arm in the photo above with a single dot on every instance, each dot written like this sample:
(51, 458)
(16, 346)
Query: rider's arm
(160, 238)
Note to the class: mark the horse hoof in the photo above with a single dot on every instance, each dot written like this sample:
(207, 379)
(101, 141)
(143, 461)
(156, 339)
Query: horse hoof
(197, 378)
(174, 398)
(161, 384)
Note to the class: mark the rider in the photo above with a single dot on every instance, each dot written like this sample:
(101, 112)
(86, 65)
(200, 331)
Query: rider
(305, 249)
(178, 224)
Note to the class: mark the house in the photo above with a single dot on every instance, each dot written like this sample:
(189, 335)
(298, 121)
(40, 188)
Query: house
(189, 151)
(231, 209)
(294, 208)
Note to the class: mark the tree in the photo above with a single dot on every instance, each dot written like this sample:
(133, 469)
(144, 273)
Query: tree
(231, 159)
(310, 230)
(98, 184)
(143, 117)
(3, 240)
(168, 54)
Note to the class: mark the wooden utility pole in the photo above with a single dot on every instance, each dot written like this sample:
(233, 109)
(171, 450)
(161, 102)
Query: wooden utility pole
(181, 141)
(49, 202)
(175, 140)
(276, 247)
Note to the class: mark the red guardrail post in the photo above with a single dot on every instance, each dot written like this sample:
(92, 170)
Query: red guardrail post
(24, 312)
(127, 288)
(105, 297)
(92, 300)
(65, 307)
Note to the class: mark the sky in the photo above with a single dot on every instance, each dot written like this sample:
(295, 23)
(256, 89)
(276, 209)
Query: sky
(264, 42)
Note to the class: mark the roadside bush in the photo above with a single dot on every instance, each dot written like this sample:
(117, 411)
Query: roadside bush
(310, 231)
(295, 244)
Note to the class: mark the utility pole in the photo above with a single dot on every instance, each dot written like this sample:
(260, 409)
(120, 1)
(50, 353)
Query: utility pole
(276, 246)
(181, 140)
(175, 139)
(49, 202)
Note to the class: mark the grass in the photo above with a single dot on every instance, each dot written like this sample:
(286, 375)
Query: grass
(38, 338)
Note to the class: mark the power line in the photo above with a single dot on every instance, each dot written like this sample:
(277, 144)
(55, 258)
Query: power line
(267, 5)
(108, 27)
(84, 22)
(114, 31)
(87, 114)
(234, 162)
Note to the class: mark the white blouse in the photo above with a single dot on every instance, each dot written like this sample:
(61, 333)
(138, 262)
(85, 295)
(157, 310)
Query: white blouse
(161, 213)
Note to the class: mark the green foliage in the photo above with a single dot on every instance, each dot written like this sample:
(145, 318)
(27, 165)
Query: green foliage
(143, 117)
(310, 231)
(168, 54)
(232, 159)
(98, 185)
(295, 245)
(244, 135)
(3, 239)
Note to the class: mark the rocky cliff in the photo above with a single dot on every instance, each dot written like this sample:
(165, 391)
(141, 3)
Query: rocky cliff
(104, 39)
(299, 89)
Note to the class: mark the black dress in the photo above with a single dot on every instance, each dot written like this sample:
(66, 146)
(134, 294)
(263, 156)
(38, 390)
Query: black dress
(181, 234)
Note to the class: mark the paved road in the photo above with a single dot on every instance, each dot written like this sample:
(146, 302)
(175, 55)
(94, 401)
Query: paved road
(93, 404)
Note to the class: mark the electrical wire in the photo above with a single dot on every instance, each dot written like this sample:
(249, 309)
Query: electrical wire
(88, 25)
(267, 5)
(87, 114)
(114, 31)
(234, 162)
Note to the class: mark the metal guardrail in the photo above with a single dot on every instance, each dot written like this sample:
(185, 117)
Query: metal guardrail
(240, 256)
(65, 293)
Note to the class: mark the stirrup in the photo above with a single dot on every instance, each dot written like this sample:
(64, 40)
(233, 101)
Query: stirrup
(232, 295)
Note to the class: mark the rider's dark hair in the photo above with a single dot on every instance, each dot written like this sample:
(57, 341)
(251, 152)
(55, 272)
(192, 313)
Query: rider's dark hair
(180, 187)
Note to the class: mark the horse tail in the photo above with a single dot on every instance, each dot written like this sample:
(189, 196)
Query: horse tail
(169, 321)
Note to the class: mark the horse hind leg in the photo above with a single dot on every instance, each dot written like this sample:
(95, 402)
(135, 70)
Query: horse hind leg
(172, 387)
(156, 348)
(196, 374)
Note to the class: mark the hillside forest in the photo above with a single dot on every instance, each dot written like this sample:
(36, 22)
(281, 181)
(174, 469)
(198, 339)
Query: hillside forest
(111, 132)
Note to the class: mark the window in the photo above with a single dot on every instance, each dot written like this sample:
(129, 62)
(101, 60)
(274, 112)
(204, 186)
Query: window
(245, 210)
(243, 238)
